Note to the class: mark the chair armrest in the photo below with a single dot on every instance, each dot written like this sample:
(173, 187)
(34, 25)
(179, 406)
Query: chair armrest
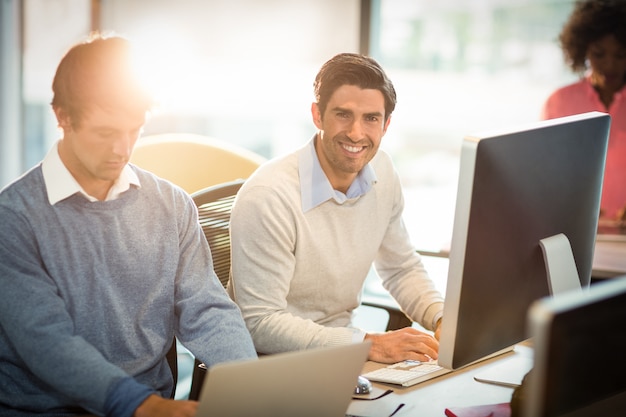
(197, 379)
(397, 318)
(172, 361)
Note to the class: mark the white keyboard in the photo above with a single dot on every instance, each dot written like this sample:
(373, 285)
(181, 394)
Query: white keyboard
(407, 373)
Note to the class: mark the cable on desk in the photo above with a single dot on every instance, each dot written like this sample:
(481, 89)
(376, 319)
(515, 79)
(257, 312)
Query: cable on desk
(397, 409)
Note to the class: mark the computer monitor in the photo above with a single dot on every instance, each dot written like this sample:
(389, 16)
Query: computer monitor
(579, 360)
(516, 188)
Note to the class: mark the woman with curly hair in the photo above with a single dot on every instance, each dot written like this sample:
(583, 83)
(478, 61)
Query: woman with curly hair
(593, 41)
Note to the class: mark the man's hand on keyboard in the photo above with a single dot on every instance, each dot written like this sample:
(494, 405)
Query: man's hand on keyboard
(403, 344)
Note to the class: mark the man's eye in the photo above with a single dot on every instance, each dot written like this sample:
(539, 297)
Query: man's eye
(106, 133)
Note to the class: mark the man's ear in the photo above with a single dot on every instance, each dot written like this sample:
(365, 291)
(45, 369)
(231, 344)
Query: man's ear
(63, 118)
(316, 115)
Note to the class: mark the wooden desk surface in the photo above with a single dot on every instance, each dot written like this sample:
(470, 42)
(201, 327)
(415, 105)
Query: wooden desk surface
(431, 398)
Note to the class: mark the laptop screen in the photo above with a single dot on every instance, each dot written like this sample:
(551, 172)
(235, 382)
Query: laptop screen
(310, 383)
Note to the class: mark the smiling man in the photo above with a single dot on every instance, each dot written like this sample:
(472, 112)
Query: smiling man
(307, 227)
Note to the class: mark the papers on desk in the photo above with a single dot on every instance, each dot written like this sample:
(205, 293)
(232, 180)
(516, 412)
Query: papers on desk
(611, 227)
(609, 257)
(489, 410)
(508, 373)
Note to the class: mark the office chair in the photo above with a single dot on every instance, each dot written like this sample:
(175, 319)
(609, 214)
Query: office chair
(194, 161)
(397, 318)
(214, 206)
(172, 361)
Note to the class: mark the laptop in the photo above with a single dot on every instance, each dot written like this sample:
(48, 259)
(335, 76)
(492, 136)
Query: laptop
(308, 383)
(580, 353)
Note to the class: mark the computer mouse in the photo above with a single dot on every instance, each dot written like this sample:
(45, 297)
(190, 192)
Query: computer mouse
(363, 386)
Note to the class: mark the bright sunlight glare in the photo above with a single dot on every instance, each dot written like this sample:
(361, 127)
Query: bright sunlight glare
(171, 70)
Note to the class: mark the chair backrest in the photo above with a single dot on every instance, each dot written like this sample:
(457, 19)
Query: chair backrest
(194, 161)
(214, 206)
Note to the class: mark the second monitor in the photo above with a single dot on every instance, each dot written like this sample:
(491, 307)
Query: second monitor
(516, 188)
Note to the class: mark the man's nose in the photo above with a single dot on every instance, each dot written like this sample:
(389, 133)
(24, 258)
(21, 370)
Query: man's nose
(122, 145)
(356, 130)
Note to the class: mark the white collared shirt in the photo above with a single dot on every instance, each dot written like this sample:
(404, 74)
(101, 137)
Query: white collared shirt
(60, 183)
(315, 186)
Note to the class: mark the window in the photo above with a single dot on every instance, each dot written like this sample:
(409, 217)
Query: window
(240, 73)
(460, 67)
(245, 73)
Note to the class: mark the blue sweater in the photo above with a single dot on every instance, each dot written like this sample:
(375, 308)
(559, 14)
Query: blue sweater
(92, 294)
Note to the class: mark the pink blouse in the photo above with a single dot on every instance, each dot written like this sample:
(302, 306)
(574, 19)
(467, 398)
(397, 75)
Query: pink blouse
(581, 97)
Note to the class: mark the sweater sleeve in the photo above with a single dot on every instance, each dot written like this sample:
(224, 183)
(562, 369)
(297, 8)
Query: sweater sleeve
(210, 324)
(125, 397)
(263, 239)
(402, 270)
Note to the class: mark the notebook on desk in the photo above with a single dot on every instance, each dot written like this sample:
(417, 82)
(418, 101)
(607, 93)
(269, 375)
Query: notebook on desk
(309, 383)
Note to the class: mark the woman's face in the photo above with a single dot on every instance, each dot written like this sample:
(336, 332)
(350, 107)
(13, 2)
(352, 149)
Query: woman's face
(607, 58)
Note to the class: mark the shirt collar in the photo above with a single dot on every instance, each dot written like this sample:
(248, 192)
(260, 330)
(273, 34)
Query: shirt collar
(60, 183)
(315, 188)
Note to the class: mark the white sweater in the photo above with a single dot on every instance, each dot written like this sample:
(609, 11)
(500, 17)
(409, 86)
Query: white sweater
(297, 276)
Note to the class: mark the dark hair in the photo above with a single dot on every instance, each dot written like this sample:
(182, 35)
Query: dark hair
(353, 69)
(99, 72)
(590, 21)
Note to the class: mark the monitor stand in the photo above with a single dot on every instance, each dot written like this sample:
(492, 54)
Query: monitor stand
(562, 277)
(560, 264)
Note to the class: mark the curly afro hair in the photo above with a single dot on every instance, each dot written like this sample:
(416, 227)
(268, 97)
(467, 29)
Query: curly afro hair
(590, 21)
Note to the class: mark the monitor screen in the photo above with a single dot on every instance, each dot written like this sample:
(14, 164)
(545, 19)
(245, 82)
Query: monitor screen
(516, 188)
(579, 360)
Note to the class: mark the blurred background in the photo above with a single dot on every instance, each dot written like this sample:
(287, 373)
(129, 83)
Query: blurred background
(242, 71)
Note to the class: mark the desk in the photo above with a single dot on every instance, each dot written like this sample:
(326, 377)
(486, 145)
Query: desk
(431, 398)
(609, 259)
